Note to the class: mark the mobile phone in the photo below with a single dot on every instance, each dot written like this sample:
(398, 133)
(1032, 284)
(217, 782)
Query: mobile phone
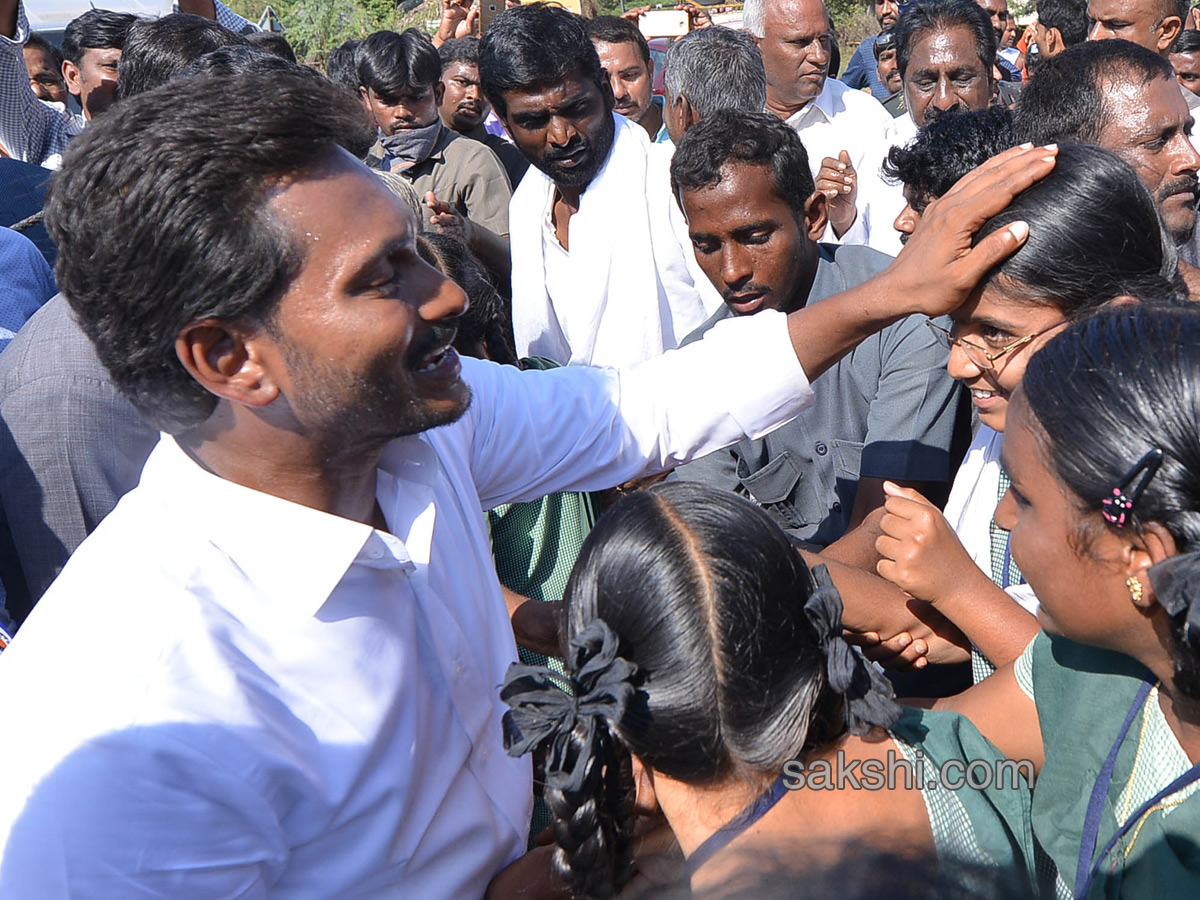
(664, 23)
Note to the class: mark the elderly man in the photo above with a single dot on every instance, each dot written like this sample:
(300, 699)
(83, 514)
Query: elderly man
(1125, 98)
(945, 53)
(599, 277)
(710, 69)
(299, 697)
(845, 132)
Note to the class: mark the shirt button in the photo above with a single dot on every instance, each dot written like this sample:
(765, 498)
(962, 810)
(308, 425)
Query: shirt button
(822, 449)
(375, 553)
(837, 506)
(458, 668)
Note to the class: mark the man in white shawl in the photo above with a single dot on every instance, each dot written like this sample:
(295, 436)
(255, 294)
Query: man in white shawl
(599, 275)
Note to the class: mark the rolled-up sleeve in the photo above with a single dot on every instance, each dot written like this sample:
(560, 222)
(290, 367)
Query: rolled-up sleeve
(581, 428)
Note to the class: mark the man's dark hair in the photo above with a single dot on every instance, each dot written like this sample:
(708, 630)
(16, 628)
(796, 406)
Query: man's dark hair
(1069, 17)
(532, 46)
(272, 42)
(1064, 101)
(250, 60)
(53, 54)
(159, 49)
(96, 29)
(923, 16)
(1187, 42)
(487, 320)
(341, 68)
(755, 138)
(459, 50)
(947, 149)
(159, 213)
(391, 63)
(615, 30)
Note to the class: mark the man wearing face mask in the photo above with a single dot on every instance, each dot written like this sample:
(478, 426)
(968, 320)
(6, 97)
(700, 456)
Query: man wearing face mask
(466, 190)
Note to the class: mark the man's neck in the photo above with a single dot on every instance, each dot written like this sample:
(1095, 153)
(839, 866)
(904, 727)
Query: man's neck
(785, 110)
(652, 121)
(236, 446)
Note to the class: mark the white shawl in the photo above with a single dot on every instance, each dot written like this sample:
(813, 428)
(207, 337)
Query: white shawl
(630, 294)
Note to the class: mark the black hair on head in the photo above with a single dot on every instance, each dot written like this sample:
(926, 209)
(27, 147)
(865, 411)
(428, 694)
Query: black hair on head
(948, 148)
(1094, 235)
(486, 321)
(160, 216)
(341, 68)
(246, 61)
(390, 63)
(1068, 17)
(52, 53)
(159, 49)
(459, 50)
(1187, 42)
(96, 29)
(925, 16)
(752, 138)
(1064, 100)
(535, 45)
(272, 42)
(1101, 395)
(615, 30)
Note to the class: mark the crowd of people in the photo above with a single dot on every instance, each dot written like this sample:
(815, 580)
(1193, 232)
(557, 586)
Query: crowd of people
(467, 471)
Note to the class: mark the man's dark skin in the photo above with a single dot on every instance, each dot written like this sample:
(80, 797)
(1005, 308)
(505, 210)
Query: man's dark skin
(759, 254)
(945, 75)
(566, 130)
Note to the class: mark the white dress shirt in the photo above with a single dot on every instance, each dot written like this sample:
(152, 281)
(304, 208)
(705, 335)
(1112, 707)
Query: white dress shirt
(841, 118)
(226, 694)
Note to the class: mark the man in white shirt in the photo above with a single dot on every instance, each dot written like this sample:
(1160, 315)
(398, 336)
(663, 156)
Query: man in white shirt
(598, 276)
(273, 668)
(846, 132)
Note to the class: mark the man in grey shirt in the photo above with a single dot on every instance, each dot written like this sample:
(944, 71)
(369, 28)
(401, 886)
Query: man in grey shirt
(886, 411)
(70, 446)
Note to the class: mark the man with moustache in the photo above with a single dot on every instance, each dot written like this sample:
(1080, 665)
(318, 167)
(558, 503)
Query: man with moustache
(886, 411)
(625, 56)
(1153, 24)
(1125, 98)
(464, 108)
(945, 50)
(861, 71)
(598, 274)
(466, 190)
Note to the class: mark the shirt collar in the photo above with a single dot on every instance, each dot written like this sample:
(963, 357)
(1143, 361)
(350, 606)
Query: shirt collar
(823, 103)
(291, 553)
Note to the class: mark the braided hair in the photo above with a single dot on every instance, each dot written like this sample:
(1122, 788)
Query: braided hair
(698, 641)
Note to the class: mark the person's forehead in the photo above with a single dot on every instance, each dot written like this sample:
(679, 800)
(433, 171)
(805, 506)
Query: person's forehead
(622, 55)
(1127, 10)
(994, 5)
(795, 17)
(1188, 61)
(944, 48)
(36, 56)
(549, 97)
(464, 71)
(745, 193)
(1132, 106)
(340, 213)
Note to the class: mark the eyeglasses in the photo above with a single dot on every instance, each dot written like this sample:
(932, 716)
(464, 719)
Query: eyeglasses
(979, 356)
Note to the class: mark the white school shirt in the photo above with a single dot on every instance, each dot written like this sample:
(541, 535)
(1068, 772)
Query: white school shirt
(226, 694)
(841, 118)
(972, 504)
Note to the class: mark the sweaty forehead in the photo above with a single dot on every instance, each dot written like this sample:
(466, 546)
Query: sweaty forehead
(944, 49)
(802, 17)
(1135, 11)
(546, 98)
(620, 55)
(1133, 107)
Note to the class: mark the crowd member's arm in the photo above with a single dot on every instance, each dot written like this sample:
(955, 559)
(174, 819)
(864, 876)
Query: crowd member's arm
(922, 555)
(491, 249)
(459, 19)
(1004, 714)
(578, 428)
(29, 130)
(218, 12)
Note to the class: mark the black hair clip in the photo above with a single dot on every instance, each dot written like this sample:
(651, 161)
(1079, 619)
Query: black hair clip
(1118, 508)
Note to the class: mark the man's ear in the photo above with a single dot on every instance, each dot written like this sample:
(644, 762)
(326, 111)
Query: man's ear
(1168, 29)
(226, 358)
(816, 215)
(687, 114)
(1054, 40)
(439, 91)
(650, 69)
(71, 74)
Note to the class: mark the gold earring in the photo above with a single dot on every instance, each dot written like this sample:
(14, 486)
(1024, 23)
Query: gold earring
(1135, 588)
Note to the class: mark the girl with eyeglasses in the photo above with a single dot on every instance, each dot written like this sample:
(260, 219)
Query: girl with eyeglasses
(1095, 236)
